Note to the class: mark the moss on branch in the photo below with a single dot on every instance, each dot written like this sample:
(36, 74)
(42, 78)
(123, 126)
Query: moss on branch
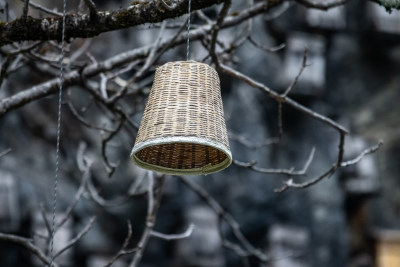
(82, 26)
(389, 4)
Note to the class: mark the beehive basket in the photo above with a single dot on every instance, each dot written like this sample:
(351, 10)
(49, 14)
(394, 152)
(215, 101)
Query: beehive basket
(183, 128)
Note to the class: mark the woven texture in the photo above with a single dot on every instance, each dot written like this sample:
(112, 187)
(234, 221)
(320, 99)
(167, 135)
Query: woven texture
(183, 128)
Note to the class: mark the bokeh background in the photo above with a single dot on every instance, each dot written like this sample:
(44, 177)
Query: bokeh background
(350, 219)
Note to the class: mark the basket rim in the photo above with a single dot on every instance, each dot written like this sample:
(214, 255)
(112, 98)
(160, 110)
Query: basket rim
(185, 62)
(182, 139)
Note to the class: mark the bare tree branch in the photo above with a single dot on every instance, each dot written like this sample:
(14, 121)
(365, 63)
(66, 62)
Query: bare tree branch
(123, 251)
(290, 184)
(170, 237)
(82, 26)
(288, 172)
(323, 5)
(294, 82)
(247, 143)
(86, 174)
(216, 27)
(45, 220)
(26, 9)
(27, 243)
(364, 153)
(100, 78)
(282, 99)
(44, 9)
(5, 152)
(225, 216)
(83, 120)
(4, 68)
(152, 209)
(75, 77)
(92, 9)
(77, 237)
(267, 49)
(110, 166)
(173, 5)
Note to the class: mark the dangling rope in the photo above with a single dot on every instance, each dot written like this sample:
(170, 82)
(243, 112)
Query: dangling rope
(61, 78)
(188, 32)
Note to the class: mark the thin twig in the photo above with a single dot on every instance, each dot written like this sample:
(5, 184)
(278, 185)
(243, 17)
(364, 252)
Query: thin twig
(84, 121)
(123, 251)
(85, 176)
(26, 9)
(244, 141)
(77, 237)
(94, 195)
(173, 5)
(110, 166)
(103, 85)
(45, 220)
(203, 17)
(277, 12)
(150, 60)
(150, 221)
(44, 9)
(27, 243)
(294, 82)
(323, 5)
(280, 123)
(282, 99)
(215, 29)
(92, 9)
(288, 172)
(170, 237)
(364, 153)
(290, 184)
(150, 195)
(225, 216)
(5, 152)
(4, 68)
(267, 49)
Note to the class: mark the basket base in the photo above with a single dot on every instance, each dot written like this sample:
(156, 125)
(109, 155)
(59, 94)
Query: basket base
(182, 155)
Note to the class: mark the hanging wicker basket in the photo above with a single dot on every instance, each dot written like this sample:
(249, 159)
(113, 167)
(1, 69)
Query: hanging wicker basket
(183, 128)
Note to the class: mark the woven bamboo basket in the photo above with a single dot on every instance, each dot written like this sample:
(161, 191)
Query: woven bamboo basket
(183, 128)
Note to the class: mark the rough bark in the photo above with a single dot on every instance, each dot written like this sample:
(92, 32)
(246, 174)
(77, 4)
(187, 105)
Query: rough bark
(85, 26)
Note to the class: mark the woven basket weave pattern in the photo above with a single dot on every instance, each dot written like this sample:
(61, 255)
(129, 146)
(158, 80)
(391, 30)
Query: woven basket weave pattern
(185, 101)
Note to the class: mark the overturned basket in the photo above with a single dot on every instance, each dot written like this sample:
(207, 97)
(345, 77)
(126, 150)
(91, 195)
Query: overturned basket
(183, 129)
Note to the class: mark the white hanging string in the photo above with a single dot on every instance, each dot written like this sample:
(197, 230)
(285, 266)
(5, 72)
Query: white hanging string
(55, 187)
(188, 32)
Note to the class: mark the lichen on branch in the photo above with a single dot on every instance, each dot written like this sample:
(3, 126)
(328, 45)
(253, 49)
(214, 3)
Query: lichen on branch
(389, 4)
(84, 26)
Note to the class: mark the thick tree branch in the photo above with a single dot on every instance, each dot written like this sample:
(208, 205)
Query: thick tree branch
(75, 77)
(83, 25)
